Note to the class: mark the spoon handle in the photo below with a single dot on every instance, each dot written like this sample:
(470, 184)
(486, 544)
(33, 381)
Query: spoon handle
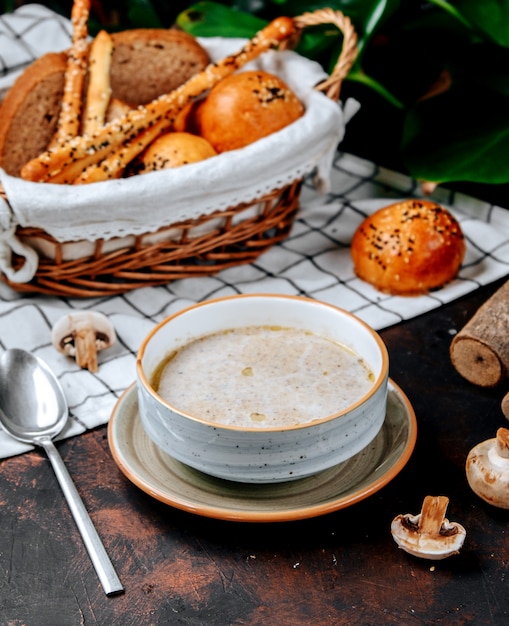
(100, 559)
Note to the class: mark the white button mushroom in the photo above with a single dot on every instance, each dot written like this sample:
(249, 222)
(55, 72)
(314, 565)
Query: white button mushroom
(82, 334)
(429, 535)
(487, 469)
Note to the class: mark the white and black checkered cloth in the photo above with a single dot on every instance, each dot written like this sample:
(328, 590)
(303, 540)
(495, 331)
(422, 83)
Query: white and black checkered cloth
(313, 261)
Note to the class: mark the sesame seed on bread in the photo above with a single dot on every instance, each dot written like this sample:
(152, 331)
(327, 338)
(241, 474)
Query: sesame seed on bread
(408, 248)
(259, 102)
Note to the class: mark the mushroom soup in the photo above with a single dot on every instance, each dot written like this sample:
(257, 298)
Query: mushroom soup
(263, 376)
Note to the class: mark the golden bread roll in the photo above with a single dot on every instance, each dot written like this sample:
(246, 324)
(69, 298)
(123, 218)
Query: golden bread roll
(245, 107)
(174, 150)
(408, 248)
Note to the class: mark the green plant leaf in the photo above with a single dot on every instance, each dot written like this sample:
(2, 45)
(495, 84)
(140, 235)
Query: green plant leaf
(490, 17)
(453, 11)
(214, 19)
(361, 77)
(322, 43)
(366, 15)
(142, 14)
(403, 49)
(458, 137)
(210, 19)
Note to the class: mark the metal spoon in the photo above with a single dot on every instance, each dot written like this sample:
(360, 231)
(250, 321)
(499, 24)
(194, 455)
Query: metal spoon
(33, 409)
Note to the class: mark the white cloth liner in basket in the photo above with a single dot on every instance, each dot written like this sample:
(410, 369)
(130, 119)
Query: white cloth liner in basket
(143, 204)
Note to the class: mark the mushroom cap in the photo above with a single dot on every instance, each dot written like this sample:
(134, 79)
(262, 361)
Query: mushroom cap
(429, 535)
(487, 469)
(82, 334)
(70, 323)
(425, 546)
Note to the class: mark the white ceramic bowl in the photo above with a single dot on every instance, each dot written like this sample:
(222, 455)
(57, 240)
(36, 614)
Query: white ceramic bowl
(262, 455)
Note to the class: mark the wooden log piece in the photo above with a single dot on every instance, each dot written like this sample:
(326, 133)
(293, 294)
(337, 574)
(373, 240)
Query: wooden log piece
(480, 351)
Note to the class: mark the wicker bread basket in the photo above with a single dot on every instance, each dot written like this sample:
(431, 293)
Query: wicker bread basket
(194, 247)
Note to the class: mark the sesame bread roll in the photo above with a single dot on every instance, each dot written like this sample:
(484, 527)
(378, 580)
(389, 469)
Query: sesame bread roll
(408, 248)
(173, 150)
(246, 107)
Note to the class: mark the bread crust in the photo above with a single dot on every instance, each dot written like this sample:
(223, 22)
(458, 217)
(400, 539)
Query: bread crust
(408, 248)
(30, 110)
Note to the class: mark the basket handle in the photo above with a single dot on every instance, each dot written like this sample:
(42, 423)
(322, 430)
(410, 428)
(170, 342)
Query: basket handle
(331, 86)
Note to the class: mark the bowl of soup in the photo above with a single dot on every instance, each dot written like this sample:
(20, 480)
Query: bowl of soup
(262, 388)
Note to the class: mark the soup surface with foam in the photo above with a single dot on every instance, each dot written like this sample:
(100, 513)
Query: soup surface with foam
(262, 377)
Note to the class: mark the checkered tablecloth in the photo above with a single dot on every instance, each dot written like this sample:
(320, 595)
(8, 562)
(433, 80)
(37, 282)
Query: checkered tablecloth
(25, 35)
(314, 261)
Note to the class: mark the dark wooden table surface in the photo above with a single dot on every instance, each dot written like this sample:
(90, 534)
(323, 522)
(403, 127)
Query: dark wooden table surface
(342, 568)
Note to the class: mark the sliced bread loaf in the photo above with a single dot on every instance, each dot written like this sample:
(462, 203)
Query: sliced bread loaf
(149, 62)
(29, 113)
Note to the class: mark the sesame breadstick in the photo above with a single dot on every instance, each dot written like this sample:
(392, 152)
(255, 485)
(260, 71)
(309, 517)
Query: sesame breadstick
(120, 131)
(71, 172)
(70, 112)
(78, 172)
(113, 165)
(99, 87)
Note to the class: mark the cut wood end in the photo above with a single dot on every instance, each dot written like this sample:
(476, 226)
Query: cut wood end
(476, 362)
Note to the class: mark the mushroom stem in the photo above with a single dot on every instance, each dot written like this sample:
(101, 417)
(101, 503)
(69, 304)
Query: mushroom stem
(433, 514)
(86, 349)
(503, 442)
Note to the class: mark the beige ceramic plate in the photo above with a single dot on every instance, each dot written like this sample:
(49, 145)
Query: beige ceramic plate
(174, 483)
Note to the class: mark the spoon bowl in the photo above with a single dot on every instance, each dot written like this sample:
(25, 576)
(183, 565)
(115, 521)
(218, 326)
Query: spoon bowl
(33, 409)
(32, 402)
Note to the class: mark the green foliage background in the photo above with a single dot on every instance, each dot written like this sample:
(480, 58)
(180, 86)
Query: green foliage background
(432, 77)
